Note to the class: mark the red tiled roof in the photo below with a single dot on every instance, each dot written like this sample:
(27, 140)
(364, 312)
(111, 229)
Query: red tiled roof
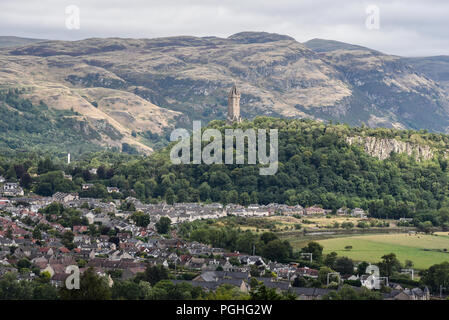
(64, 250)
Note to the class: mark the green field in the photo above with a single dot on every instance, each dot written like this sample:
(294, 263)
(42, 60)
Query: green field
(406, 247)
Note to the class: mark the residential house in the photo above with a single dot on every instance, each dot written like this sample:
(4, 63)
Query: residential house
(79, 229)
(87, 186)
(409, 294)
(217, 275)
(357, 212)
(213, 285)
(65, 197)
(113, 189)
(59, 279)
(12, 189)
(307, 272)
(274, 284)
(314, 210)
(196, 263)
(343, 211)
(310, 293)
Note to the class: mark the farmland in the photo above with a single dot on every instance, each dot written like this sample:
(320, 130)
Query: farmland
(281, 223)
(423, 250)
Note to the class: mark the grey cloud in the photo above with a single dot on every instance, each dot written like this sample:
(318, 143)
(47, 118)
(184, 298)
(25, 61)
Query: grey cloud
(407, 27)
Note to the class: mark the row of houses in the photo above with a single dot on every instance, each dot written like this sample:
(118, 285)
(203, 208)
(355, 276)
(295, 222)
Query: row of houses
(137, 246)
(211, 280)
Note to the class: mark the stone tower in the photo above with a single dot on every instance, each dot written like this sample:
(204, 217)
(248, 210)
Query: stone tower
(234, 106)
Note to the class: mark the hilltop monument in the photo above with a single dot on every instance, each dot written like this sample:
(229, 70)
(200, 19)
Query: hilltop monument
(234, 105)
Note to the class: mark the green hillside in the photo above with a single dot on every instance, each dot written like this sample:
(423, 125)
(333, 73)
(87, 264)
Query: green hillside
(316, 166)
(30, 127)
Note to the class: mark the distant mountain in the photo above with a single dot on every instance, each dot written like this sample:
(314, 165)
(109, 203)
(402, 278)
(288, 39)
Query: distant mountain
(8, 41)
(144, 87)
(436, 68)
(321, 45)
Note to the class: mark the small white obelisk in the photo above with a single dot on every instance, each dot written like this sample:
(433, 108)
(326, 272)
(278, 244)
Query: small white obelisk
(68, 158)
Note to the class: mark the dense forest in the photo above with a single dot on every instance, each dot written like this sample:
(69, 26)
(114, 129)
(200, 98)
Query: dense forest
(27, 126)
(316, 166)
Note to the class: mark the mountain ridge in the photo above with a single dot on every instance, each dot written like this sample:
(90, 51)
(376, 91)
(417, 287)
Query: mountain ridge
(144, 87)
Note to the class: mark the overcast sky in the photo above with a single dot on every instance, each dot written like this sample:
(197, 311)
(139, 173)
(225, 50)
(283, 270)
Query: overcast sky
(406, 27)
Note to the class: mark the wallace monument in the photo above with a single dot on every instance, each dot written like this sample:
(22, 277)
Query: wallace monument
(234, 106)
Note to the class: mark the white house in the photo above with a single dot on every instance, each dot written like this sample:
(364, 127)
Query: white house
(12, 189)
(357, 212)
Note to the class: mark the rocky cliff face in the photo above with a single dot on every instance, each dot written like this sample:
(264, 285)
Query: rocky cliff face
(382, 148)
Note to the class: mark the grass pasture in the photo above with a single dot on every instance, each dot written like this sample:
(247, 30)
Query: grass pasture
(423, 250)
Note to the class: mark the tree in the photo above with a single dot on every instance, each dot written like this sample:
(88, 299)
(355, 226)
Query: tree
(299, 282)
(227, 292)
(45, 166)
(67, 239)
(436, 276)
(232, 196)
(322, 274)
(92, 287)
(361, 268)
(43, 290)
(268, 236)
(20, 170)
(127, 289)
(26, 180)
(150, 187)
(261, 292)
(139, 188)
(97, 191)
(330, 259)
(169, 196)
(426, 227)
(166, 290)
(141, 219)
(389, 265)
(11, 289)
(101, 172)
(315, 249)
(154, 274)
(182, 195)
(23, 263)
(37, 234)
(408, 264)
(8, 233)
(44, 189)
(347, 225)
(204, 191)
(163, 225)
(254, 197)
(278, 250)
(11, 173)
(245, 199)
(344, 265)
(128, 206)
